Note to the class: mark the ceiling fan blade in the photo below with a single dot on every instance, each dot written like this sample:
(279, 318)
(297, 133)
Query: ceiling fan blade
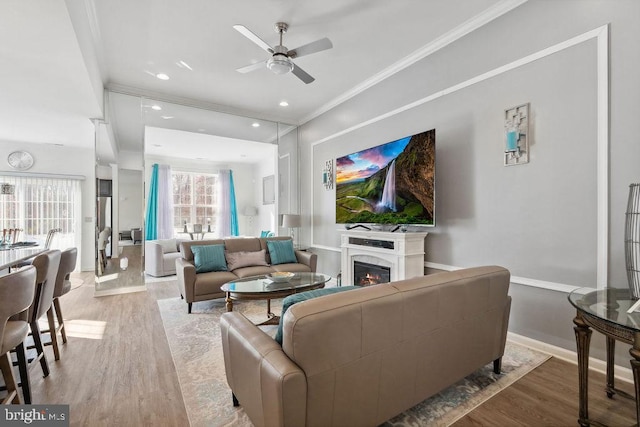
(251, 36)
(301, 74)
(313, 47)
(252, 67)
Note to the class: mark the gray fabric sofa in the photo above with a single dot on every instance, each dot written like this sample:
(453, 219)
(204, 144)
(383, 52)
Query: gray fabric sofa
(205, 286)
(360, 357)
(160, 257)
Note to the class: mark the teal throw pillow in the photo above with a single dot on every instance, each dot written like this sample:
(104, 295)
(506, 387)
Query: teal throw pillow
(209, 258)
(281, 251)
(303, 296)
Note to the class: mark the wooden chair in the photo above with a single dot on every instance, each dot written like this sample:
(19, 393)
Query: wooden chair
(68, 259)
(16, 296)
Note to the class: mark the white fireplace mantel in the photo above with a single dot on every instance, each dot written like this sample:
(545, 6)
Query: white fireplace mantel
(402, 252)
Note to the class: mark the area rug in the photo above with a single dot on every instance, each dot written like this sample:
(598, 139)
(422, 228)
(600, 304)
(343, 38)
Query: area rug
(194, 340)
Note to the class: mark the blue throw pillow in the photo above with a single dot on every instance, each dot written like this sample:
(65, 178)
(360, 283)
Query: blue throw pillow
(303, 296)
(209, 258)
(281, 251)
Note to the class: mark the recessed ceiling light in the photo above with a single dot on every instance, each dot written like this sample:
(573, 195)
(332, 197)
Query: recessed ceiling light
(201, 130)
(162, 76)
(183, 64)
(284, 104)
(167, 117)
(255, 125)
(156, 107)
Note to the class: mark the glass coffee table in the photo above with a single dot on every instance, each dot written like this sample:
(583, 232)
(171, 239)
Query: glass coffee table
(263, 288)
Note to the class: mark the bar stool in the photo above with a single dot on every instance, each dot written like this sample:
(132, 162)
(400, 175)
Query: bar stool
(68, 259)
(46, 265)
(16, 295)
(50, 235)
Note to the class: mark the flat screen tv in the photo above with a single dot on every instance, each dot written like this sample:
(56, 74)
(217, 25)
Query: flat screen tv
(392, 183)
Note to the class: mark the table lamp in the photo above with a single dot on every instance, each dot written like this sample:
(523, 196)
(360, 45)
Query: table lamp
(250, 211)
(291, 221)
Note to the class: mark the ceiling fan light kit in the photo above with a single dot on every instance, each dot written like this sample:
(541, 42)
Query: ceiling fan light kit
(280, 62)
(281, 57)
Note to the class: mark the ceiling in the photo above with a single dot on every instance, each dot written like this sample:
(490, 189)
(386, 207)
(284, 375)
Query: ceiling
(54, 48)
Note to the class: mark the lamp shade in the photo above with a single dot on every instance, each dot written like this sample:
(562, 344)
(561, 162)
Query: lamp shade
(291, 221)
(250, 211)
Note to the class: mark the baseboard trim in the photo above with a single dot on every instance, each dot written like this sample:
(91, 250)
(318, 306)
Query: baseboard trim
(620, 372)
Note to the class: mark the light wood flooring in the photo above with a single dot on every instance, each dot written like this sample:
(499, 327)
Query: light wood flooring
(121, 372)
(124, 375)
(115, 280)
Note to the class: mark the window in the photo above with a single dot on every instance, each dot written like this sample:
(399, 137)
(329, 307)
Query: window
(40, 204)
(194, 200)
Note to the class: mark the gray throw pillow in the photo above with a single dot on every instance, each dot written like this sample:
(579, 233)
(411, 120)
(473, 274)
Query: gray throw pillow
(245, 259)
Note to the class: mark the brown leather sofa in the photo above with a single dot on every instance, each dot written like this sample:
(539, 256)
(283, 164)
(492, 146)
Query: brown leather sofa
(359, 358)
(205, 286)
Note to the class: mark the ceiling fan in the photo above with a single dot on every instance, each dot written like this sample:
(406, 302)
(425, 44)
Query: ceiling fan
(281, 58)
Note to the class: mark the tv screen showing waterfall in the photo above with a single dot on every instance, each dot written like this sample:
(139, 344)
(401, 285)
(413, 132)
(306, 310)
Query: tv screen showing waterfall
(391, 183)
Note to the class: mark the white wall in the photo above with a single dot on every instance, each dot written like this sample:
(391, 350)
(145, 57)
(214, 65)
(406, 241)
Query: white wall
(268, 214)
(130, 199)
(288, 179)
(52, 159)
(540, 219)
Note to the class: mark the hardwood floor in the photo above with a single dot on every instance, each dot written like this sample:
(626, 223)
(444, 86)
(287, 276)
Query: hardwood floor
(548, 396)
(115, 280)
(117, 369)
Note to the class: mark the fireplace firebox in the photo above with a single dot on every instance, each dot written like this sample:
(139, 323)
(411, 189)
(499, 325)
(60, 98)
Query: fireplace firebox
(365, 274)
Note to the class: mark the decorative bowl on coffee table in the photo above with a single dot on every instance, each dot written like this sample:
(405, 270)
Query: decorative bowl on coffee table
(281, 276)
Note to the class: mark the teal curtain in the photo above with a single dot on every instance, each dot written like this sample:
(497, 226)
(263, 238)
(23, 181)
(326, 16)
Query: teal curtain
(234, 210)
(151, 222)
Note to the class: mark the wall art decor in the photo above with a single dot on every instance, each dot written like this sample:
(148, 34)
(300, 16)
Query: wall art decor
(516, 125)
(327, 175)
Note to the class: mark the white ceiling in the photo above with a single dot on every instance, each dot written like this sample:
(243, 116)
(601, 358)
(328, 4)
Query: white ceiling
(46, 84)
(197, 146)
(45, 93)
(144, 37)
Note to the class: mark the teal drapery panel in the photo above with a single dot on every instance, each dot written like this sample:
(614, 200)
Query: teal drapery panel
(234, 210)
(151, 223)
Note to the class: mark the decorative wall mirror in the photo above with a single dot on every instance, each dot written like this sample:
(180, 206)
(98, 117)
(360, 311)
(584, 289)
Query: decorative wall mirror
(268, 190)
(120, 201)
(145, 131)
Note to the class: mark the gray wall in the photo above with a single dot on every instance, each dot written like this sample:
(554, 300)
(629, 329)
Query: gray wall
(539, 220)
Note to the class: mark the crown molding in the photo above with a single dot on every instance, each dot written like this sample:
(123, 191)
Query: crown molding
(444, 40)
